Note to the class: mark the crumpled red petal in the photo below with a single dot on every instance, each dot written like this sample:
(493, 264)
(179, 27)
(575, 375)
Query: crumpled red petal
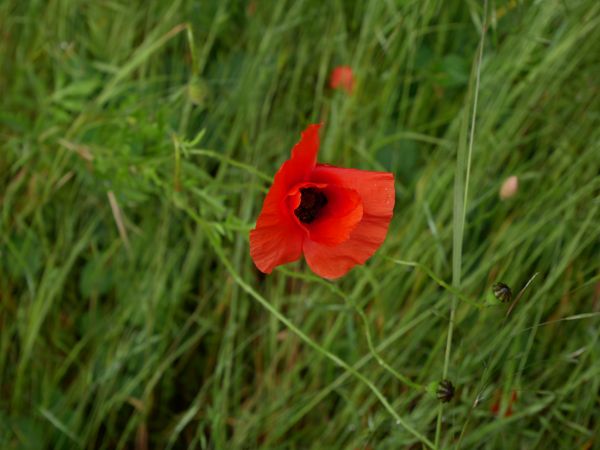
(376, 190)
(277, 238)
(338, 218)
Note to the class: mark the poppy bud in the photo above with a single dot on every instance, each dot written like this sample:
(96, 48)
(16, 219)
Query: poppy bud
(445, 391)
(509, 188)
(342, 77)
(502, 292)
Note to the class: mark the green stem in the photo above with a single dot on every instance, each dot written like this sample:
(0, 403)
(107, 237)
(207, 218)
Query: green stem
(438, 280)
(461, 189)
(380, 360)
(402, 378)
(311, 342)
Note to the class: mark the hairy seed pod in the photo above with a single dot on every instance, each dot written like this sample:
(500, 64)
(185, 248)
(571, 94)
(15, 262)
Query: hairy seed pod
(502, 292)
(445, 391)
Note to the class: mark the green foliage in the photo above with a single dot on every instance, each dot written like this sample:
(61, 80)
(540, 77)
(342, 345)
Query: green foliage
(137, 140)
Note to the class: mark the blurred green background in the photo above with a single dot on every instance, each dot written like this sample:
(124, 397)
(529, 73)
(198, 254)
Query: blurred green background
(137, 141)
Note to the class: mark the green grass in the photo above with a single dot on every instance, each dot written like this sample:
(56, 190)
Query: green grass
(137, 141)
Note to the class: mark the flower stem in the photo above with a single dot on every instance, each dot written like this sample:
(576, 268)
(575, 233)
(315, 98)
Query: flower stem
(461, 190)
(279, 316)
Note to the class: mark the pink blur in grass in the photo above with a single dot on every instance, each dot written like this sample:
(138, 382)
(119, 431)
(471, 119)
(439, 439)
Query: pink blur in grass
(509, 188)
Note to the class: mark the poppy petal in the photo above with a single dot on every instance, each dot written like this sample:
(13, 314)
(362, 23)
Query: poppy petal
(334, 261)
(341, 215)
(277, 239)
(303, 160)
(376, 190)
(294, 171)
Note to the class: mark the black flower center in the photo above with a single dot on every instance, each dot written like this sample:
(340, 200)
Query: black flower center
(312, 201)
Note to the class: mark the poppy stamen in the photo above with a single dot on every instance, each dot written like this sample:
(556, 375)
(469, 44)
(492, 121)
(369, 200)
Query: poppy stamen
(312, 201)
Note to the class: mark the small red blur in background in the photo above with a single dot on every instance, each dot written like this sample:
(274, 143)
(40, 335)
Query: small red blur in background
(495, 408)
(342, 77)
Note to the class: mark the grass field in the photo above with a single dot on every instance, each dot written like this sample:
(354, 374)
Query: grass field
(137, 142)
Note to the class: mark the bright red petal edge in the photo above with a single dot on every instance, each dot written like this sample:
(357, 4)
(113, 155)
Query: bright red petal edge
(378, 197)
(277, 239)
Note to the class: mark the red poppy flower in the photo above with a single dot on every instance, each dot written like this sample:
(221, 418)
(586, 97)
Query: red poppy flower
(342, 77)
(336, 217)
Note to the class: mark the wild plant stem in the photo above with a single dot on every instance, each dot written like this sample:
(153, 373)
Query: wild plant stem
(461, 190)
(337, 360)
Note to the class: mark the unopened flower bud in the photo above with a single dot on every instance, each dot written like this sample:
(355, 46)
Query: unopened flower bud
(445, 391)
(509, 187)
(502, 292)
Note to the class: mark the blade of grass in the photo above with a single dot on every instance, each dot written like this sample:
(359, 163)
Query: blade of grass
(272, 310)
(461, 189)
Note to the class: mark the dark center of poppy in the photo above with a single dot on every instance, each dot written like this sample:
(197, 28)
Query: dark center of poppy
(312, 201)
